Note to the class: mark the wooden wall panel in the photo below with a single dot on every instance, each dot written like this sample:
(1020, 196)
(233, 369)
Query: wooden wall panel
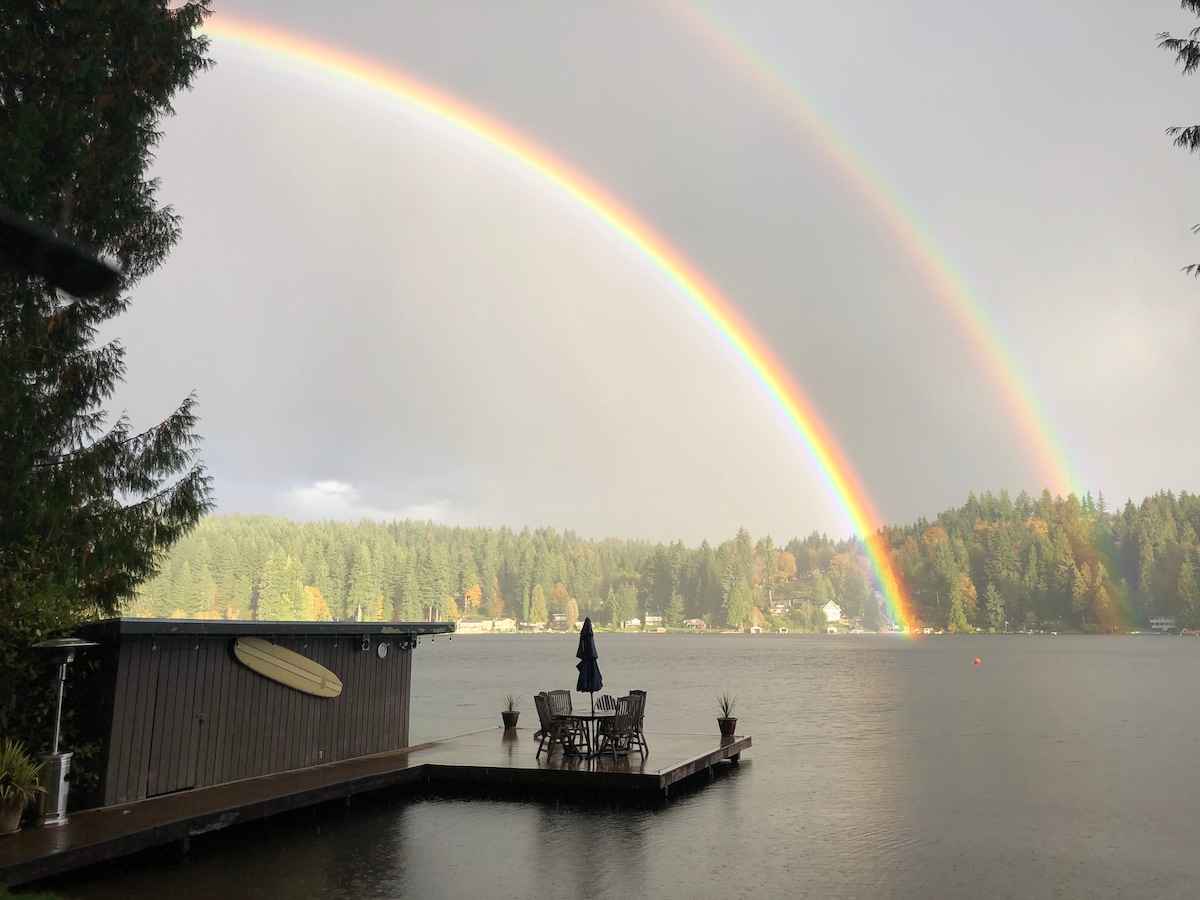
(187, 714)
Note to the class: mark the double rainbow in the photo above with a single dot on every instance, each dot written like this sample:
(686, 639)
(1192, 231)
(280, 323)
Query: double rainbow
(372, 82)
(977, 324)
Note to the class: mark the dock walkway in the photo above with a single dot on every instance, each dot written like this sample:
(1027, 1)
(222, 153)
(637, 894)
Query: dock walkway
(483, 758)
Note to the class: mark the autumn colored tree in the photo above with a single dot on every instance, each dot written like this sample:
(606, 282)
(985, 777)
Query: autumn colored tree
(558, 599)
(315, 607)
(785, 565)
(472, 598)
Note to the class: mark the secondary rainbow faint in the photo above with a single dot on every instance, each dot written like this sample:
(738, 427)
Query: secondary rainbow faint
(375, 82)
(972, 318)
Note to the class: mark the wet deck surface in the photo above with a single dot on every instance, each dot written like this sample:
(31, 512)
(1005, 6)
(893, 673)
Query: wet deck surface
(492, 757)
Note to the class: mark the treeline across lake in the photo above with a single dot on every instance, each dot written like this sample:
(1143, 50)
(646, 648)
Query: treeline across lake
(995, 562)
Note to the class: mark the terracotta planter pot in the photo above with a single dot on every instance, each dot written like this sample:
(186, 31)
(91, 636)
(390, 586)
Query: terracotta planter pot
(510, 719)
(10, 815)
(727, 726)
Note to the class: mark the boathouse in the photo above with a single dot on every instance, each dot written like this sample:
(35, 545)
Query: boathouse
(174, 704)
(193, 738)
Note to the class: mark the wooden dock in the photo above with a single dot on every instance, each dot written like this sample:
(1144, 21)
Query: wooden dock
(492, 758)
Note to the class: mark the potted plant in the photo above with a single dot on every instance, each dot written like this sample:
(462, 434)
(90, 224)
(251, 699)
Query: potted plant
(510, 712)
(18, 784)
(726, 721)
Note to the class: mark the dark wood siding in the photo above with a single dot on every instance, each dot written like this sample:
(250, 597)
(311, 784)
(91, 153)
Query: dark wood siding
(186, 714)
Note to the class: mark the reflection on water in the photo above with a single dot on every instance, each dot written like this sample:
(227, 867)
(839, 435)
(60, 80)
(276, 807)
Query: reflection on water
(881, 768)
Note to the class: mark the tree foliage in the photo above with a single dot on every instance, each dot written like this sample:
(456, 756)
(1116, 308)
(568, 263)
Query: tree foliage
(1053, 562)
(86, 506)
(1187, 56)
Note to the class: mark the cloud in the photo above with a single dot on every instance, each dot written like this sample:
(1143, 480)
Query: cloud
(341, 501)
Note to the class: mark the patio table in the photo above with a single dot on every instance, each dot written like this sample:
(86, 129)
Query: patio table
(591, 725)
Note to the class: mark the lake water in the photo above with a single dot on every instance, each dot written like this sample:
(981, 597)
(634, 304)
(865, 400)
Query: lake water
(881, 767)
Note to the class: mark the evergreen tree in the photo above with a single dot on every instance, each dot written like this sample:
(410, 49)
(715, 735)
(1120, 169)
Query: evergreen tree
(1187, 593)
(86, 508)
(738, 605)
(956, 617)
(673, 614)
(1080, 586)
(410, 592)
(279, 592)
(364, 585)
(994, 604)
(539, 614)
(1187, 56)
(622, 601)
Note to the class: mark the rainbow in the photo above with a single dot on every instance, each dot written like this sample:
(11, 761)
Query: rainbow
(341, 70)
(972, 318)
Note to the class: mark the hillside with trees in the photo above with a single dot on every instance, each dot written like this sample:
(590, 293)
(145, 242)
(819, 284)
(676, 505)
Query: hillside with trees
(995, 562)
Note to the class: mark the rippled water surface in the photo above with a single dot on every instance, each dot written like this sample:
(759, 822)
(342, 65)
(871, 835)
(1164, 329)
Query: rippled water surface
(881, 767)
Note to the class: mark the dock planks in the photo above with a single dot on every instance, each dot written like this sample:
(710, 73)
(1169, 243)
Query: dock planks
(484, 758)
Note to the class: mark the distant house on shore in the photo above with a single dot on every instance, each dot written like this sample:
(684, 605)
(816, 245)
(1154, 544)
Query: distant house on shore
(632, 623)
(1162, 623)
(833, 612)
(695, 623)
(780, 606)
(485, 626)
(653, 619)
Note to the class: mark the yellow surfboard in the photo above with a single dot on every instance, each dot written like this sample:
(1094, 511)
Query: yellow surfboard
(287, 667)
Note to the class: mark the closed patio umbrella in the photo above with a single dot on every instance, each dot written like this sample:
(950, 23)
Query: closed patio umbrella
(590, 679)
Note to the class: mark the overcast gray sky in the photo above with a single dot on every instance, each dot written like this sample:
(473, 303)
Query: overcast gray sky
(384, 318)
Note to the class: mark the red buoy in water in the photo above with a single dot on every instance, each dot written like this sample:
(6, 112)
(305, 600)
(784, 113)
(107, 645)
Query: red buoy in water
(977, 660)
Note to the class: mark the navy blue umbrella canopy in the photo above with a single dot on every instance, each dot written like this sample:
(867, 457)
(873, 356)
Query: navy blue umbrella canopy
(590, 679)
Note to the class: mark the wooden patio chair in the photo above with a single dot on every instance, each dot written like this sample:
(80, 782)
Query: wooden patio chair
(537, 735)
(639, 727)
(560, 706)
(606, 701)
(614, 738)
(560, 702)
(553, 731)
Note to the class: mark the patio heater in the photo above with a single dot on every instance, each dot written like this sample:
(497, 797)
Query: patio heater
(52, 805)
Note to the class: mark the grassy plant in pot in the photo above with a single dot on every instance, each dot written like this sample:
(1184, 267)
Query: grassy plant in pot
(726, 721)
(511, 711)
(18, 784)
